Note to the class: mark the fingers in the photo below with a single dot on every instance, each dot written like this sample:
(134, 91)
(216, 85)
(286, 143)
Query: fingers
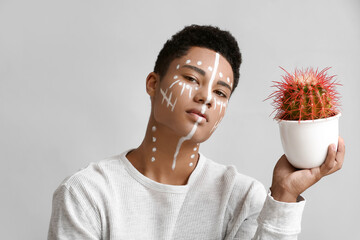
(334, 159)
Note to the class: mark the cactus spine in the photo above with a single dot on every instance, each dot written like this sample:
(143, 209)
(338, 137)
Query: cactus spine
(305, 95)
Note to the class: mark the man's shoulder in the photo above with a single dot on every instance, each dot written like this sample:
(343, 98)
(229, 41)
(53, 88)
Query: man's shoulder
(229, 175)
(95, 175)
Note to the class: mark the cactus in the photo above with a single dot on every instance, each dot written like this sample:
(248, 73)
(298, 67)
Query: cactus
(305, 95)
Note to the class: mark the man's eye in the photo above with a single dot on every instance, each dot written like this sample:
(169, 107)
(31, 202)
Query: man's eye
(220, 93)
(191, 79)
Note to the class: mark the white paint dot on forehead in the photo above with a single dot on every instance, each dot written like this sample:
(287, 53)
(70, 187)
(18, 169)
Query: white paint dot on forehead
(195, 149)
(178, 66)
(193, 156)
(154, 139)
(191, 164)
(176, 76)
(228, 79)
(188, 61)
(154, 149)
(199, 63)
(210, 68)
(153, 159)
(220, 74)
(153, 128)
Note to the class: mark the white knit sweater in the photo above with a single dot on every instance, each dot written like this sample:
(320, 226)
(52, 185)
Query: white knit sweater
(112, 200)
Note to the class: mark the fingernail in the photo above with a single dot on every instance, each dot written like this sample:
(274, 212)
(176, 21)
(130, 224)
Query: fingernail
(333, 147)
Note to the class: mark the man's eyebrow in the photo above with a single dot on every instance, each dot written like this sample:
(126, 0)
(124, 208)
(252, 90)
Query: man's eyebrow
(222, 83)
(199, 70)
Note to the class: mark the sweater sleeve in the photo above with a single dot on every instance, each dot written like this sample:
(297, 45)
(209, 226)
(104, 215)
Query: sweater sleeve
(260, 217)
(71, 217)
(279, 220)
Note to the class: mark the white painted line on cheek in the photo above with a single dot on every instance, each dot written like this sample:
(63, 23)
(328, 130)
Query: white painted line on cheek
(214, 103)
(228, 79)
(182, 90)
(190, 92)
(168, 99)
(174, 83)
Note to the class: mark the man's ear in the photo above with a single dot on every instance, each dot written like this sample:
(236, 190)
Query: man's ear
(152, 81)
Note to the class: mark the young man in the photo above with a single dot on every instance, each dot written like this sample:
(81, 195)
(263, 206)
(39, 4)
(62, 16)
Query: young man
(166, 189)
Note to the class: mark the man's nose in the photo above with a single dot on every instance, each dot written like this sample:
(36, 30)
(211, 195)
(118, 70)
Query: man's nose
(202, 96)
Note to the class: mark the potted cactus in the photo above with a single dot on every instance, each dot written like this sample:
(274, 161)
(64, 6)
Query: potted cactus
(306, 105)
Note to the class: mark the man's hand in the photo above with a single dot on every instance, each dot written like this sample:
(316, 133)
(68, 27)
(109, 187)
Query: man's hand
(289, 182)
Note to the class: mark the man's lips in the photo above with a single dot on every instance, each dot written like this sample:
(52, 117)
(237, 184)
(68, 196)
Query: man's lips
(198, 113)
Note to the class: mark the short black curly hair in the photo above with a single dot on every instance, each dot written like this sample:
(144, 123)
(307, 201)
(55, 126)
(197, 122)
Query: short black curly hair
(207, 36)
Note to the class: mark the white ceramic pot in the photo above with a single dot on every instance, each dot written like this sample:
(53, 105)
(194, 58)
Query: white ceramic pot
(306, 143)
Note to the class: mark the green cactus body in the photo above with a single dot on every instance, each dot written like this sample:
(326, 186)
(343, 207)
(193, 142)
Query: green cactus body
(305, 95)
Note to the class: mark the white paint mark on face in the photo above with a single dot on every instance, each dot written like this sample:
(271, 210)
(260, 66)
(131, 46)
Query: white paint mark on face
(216, 124)
(215, 104)
(210, 68)
(153, 128)
(221, 106)
(180, 83)
(154, 139)
(193, 156)
(168, 99)
(191, 164)
(190, 92)
(176, 77)
(196, 88)
(231, 85)
(220, 74)
(228, 79)
(153, 159)
(199, 63)
(195, 149)
(187, 86)
(178, 66)
(154, 149)
(203, 109)
(182, 90)
(188, 61)
(174, 83)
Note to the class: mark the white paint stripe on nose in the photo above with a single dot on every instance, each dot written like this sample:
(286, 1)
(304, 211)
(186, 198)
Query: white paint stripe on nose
(213, 74)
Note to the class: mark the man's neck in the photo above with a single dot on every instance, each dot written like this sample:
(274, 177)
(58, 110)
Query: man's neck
(163, 158)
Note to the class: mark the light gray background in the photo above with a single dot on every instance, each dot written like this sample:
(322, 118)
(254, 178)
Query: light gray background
(72, 91)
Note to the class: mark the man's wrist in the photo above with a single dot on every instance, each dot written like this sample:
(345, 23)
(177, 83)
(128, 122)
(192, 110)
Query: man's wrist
(282, 195)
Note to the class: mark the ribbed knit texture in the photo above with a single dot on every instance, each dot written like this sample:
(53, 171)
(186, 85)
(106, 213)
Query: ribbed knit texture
(112, 200)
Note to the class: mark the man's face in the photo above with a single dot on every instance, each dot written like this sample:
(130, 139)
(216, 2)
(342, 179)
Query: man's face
(192, 97)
